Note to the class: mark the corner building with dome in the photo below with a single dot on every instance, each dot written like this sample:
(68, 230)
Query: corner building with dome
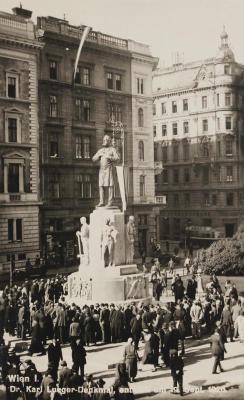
(199, 145)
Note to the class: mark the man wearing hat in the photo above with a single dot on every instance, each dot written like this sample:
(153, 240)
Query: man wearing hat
(176, 367)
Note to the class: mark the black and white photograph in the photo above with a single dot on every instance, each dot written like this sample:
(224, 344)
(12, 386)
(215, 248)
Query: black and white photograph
(121, 199)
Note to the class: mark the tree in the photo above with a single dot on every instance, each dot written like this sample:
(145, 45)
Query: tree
(224, 257)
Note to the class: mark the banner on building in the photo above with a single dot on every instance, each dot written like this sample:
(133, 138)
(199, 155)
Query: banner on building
(82, 40)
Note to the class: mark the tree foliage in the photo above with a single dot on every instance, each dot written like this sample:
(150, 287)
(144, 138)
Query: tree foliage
(224, 257)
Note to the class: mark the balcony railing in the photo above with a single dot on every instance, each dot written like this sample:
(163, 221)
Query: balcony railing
(14, 197)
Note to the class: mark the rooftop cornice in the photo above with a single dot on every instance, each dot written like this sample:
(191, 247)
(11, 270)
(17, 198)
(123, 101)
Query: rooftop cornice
(21, 42)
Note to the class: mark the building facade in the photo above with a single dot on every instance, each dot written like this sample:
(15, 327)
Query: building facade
(198, 139)
(112, 83)
(19, 139)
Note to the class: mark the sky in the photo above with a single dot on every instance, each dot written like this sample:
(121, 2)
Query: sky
(190, 27)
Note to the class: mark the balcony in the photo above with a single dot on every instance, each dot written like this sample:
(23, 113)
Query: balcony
(17, 197)
(54, 121)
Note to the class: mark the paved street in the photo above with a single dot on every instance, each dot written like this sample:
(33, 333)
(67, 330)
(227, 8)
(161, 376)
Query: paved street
(157, 385)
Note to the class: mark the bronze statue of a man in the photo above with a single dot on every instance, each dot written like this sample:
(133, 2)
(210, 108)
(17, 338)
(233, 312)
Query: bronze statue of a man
(107, 155)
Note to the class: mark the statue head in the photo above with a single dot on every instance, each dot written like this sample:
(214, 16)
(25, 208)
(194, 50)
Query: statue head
(83, 220)
(106, 141)
(131, 218)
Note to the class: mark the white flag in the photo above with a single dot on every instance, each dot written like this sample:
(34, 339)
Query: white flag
(82, 40)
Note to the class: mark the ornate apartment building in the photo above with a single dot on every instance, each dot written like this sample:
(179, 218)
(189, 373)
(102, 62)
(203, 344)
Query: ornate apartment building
(19, 146)
(113, 84)
(198, 138)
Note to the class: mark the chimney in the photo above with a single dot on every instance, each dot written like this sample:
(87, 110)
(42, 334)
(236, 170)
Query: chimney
(22, 12)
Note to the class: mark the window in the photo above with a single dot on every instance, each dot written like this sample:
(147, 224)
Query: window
(86, 76)
(13, 178)
(164, 228)
(185, 104)
(54, 146)
(174, 107)
(230, 199)
(154, 109)
(214, 200)
(53, 70)
(175, 176)
(78, 109)
(140, 85)
(142, 219)
(205, 125)
(14, 230)
(12, 130)
(227, 123)
(54, 186)
(176, 227)
(185, 127)
(86, 110)
(55, 224)
(186, 175)
(83, 186)
(218, 99)
(114, 112)
(176, 201)
(164, 130)
(229, 174)
(186, 151)
(227, 99)
(226, 69)
(78, 75)
(229, 147)
(142, 186)
(187, 199)
(109, 80)
(205, 175)
(206, 200)
(118, 85)
(204, 101)
(163, 108)
(12, 86)
(53, 106)
(218, 124)
(141, 150)
(175, 152)
(154, 130)
(165, 176)
(82, 147)
(140, 117)
(175, 128)
(218, 148)
(165, 154)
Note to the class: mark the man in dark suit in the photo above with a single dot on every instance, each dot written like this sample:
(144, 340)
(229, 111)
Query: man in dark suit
(227, 322)
(64, 375)
(176, 367)
(218, 349)
(105, 323)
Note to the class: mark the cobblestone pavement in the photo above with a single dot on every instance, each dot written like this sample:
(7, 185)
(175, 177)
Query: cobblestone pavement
(199, 383)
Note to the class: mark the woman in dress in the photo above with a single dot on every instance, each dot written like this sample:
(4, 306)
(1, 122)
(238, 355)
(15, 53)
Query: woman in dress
(36, 345)
(130, 359)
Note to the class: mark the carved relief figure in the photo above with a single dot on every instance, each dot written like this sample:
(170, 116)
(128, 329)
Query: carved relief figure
(131, 235)
(83, 239)
(108, 240)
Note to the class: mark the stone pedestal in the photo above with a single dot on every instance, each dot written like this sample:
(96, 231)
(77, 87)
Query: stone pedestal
(96, 283)
(97, 223)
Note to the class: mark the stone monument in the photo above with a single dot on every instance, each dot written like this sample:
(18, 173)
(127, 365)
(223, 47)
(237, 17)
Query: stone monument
(106, 247)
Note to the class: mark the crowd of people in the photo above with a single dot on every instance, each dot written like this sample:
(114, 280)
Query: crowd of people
(154, 334)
